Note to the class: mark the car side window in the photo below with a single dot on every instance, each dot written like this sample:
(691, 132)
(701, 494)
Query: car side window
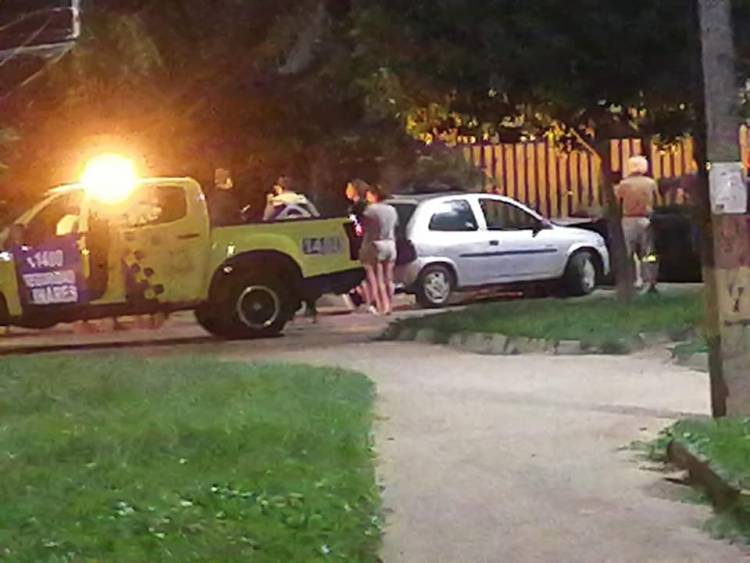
(58, 218)
(454, 216)
(503, 216)
(156, 205)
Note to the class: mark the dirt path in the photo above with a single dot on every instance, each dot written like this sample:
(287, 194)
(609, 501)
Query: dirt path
(489, 459)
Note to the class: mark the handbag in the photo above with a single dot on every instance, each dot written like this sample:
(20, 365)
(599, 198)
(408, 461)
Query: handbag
(406, 253)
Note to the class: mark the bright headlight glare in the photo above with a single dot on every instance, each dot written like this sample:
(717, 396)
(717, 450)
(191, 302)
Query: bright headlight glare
(109, 178)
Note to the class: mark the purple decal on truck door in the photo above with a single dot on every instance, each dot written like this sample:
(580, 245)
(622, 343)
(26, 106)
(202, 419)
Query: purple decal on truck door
(51, 274)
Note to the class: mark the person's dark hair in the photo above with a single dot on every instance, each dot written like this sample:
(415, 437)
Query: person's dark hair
(361, 186)
(378, 192)
(285, 181)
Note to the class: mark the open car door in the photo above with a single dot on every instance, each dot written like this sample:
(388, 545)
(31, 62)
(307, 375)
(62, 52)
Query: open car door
(50, 257)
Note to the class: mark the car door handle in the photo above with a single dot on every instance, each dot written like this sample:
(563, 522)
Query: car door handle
(188, 236)
(494, 243)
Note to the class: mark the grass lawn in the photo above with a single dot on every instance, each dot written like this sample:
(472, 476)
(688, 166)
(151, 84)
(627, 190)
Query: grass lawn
(185, 460)
(725, 442)
(595, 320)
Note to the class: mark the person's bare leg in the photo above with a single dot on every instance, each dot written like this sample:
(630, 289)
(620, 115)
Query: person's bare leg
(372, 281)
(638, 270)
(364, 292)
(384, 288)
(380, 288)
(389, 285)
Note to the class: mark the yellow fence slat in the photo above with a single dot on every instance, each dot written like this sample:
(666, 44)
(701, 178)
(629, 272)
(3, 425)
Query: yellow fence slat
(666, 165)
(499, 167)
(677, 168)
(467, 150)
(554, 190)
(655, 161)
(488, 153)
(562, 179)
(626, 154)
(476, 155)
(687, 150)
(575, 185)
(596, 182)
(585, 175)
(520, 172)
(744, 142)
(531, 184)
(541, 173)
(616, 154)
(510, 170)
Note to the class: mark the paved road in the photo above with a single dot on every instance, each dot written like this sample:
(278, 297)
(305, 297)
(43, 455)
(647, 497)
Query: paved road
(488, 459)
(181, 334)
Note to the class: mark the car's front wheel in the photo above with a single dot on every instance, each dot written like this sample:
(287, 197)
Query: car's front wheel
(435, 286)
(580, 274)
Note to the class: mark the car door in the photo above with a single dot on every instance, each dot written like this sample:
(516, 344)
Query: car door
(159, 247)
(49, 256)
(453, 234)
(522, 246)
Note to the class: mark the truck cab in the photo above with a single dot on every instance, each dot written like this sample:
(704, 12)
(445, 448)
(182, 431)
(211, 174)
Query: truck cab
(76, 256)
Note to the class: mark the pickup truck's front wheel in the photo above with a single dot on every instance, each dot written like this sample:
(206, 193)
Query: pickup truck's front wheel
(252, 306)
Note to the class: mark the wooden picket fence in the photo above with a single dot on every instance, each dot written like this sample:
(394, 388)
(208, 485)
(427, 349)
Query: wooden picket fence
(560, 183)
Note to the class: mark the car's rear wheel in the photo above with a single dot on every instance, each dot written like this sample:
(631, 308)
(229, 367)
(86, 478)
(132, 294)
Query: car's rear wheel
(210, 319)
(252, 305)
(435, 286)
(580, 274)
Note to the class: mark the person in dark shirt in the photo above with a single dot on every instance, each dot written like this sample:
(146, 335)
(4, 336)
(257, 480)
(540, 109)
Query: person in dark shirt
(223, 206)
(356, 191)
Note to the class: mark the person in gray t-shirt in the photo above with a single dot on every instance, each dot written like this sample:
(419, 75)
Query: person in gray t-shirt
(378, 253)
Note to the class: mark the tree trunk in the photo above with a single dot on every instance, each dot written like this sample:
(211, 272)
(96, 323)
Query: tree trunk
(711, 329)
(727, 268)
(622, 264)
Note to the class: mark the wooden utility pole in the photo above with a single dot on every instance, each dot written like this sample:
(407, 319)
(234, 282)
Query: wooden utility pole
(727, 256)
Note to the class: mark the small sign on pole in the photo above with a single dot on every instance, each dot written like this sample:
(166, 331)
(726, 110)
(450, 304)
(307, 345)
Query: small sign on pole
(728, 187)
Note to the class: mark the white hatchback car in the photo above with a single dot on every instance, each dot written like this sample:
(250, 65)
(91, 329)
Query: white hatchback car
(467, 241)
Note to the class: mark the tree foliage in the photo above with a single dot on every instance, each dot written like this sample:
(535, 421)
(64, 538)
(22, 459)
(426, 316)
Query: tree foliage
(326, 89)
(603, 68)
(581, 71)
(263, 87)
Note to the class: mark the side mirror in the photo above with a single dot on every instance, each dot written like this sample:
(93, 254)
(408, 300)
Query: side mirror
(540, 226)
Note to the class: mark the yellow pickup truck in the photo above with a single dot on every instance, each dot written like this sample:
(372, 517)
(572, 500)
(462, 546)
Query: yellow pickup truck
(73, 256)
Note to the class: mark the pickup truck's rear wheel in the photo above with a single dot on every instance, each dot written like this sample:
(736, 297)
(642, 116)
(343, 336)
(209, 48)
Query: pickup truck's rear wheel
(256, 305)
(210, 319)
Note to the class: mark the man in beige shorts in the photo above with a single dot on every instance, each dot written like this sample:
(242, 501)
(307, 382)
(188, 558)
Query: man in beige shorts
(637, 193)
